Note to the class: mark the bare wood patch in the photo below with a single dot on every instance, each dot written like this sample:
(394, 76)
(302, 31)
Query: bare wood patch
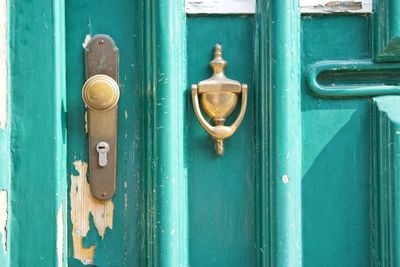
(3, 217)
(82, 205)
(60, 236)
(3, 64)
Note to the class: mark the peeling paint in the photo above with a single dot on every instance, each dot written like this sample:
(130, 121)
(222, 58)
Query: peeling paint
(249, 6)
(86, 41)
(60, 236)
(82, 205)
(3, 64)
(326, 6)
(86, 126)
(285, 179)
(3, 217)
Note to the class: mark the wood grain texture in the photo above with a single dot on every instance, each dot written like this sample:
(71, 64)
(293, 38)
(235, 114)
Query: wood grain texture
(83, 205)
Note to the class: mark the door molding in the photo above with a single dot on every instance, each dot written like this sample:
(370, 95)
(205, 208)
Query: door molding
(279, 133)
(164, 80)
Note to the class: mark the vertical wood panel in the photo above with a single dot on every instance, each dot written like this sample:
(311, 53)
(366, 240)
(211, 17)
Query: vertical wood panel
(37, 128)
(3, 63)
(386, 31)
(279, 35)
(166, 83)
(385, 184)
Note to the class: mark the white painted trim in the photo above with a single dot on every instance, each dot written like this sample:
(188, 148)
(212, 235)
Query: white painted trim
(329, 6)
(3, 63)
(249, 6)
(220, 6)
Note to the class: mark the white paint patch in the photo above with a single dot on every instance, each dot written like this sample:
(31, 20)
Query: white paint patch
(82, 205)
(86, 41)
(331, 6)
(3, 64)
(249, 6)
(86, 126)
(285, 179)
(220, 6)
(60, 236)
(3, 217)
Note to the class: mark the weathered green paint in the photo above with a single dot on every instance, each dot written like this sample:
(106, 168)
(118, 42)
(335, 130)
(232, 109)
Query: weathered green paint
(221, 190)
(5, 165)
(281, 49)
(307, 180)
(121, 245)
(351, 78)
(37, 132)
(386, 125)
(166, 84)
(336, 149)
(386, 31)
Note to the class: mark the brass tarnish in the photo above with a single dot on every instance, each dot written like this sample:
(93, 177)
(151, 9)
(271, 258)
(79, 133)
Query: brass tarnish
(218, 98)
(101, 94)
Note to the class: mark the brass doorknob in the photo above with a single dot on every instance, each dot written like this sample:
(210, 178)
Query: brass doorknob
(218, 98)
(100, 92)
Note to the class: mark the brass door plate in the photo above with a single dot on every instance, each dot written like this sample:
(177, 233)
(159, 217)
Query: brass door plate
(101, 94)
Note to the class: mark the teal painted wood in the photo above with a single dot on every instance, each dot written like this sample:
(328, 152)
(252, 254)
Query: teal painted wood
(38, 134)
(5, 166)
(386, 31)
(166, 84)
(336, 150)
(282, 82)
(221, 190)
(262, 134)
(385, 187)
(123, 244)
(5, 176)
(366, 80)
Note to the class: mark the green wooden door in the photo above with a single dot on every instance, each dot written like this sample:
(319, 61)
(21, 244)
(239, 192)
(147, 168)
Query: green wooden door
(309, 179)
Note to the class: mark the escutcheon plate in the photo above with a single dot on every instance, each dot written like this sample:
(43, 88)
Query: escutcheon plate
(101, 56)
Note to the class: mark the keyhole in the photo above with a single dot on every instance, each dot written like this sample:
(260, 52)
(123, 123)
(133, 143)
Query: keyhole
(103, 148)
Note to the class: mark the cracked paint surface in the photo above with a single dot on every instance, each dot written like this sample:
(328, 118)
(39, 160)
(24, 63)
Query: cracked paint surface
(3, 217)
(82, 205)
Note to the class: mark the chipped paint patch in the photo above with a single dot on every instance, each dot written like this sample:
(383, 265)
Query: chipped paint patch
(3, 217)
(82, 205)
(86, 41)
(60, 236)
(86, 127)
(329, 6)
(249, 6)
(285, 179)
(3, 64)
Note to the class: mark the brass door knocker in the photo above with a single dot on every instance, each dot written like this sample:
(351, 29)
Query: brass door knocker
(218, 98)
